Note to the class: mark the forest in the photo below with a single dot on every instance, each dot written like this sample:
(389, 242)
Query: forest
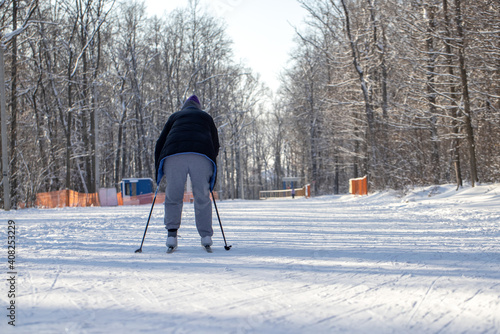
(405, 92)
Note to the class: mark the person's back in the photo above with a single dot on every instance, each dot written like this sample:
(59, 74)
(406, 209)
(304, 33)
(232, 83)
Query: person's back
(188, 145)
(192, 130)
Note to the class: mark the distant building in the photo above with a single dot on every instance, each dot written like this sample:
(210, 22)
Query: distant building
(136, 186)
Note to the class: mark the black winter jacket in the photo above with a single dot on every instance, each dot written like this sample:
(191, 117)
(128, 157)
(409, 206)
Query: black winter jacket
(189, 130)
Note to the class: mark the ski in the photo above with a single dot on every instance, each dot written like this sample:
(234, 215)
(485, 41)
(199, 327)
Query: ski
(208, 249)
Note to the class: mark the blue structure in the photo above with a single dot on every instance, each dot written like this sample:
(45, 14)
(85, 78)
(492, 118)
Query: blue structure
(136, 186)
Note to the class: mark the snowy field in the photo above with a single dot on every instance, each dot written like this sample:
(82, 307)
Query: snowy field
(428, 262)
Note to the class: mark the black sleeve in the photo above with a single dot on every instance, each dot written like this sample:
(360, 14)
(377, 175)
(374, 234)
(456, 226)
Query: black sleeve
(215, 138)
(161, 141)
(215, 143)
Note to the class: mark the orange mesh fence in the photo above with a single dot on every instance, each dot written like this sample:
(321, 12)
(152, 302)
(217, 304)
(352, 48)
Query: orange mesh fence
(62, 198)
(138, 200)
(358, 186)
(148, 198)
(307, 190)
(160, 198)
(188, 197)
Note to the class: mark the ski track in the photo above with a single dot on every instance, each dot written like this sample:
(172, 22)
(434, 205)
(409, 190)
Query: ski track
(333, 264)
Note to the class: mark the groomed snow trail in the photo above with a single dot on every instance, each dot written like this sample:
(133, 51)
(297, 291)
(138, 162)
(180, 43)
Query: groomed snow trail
(334, 264)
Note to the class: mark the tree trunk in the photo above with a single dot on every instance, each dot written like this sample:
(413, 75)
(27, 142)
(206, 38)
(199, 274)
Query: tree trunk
(69, 123)
(431, 91)
(13, 107)
(465, 94)
(455, 143)
(370, 145)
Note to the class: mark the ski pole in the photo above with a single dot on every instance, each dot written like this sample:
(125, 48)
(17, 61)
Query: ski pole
(147, 224)
(226, 247)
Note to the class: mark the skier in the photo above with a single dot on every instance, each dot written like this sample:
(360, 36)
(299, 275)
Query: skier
(188, 144)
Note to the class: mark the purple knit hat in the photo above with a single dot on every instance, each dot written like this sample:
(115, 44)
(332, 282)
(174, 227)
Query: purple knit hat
(194, 98)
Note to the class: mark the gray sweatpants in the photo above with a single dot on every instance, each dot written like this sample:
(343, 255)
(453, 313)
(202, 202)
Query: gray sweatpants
(200, 169)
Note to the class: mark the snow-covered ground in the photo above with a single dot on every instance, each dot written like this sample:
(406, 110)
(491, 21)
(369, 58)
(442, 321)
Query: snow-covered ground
(428, 262)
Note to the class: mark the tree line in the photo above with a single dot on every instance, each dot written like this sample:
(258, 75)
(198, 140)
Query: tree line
(406, 92)
(91, 84)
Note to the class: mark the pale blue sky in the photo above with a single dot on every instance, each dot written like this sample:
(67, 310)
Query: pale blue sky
(261, 30)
